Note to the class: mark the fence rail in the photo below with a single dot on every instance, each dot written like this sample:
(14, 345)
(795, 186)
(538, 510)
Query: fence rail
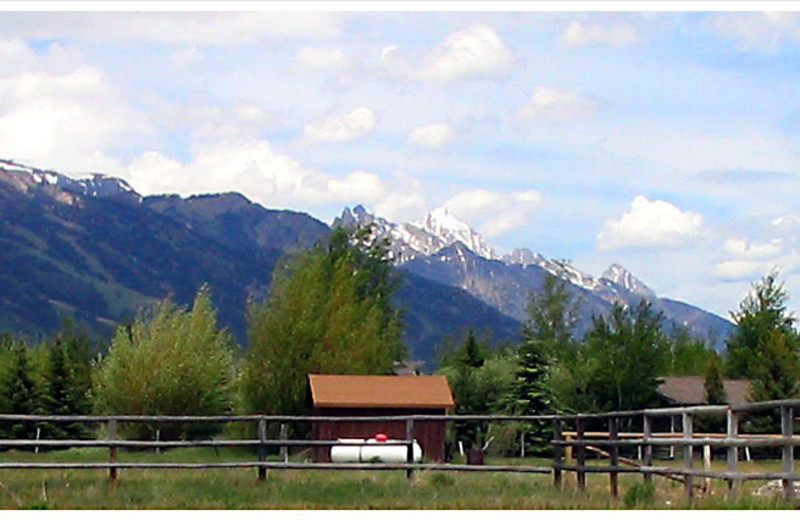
(567, 445)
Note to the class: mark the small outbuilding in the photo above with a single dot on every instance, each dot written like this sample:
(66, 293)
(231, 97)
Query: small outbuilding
(371, 396)
(690, 390)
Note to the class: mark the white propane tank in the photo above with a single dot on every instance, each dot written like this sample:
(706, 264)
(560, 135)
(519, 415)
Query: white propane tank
(374, 451)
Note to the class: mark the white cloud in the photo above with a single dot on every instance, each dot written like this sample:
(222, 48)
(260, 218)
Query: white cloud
(357, 123)
(403, 201)
(734, 270)
(650, 224)
(63, 120)
(187, 56)
(220, 28)
(754, 251)
(321, 58)
(764, 31)
(255, 169)
(432, 136)
(494, 212)
(476, 52)
(557, 105)
(787, 224)
(614, 33)
(212, 123)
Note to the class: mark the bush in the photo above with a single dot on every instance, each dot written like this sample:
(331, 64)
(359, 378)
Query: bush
(176, 363)
(641, 494)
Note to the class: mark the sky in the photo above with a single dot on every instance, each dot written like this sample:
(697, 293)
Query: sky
(666, 141)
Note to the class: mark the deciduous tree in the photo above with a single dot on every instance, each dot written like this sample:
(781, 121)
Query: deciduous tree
(329, 311)
(175, 362)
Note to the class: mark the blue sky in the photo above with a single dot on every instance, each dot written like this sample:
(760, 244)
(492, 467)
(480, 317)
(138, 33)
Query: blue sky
(665, 141)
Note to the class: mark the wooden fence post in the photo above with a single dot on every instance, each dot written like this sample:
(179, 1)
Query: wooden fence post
(284, 449)
(647, 433)
(688, 453)
(113, 472)
(613, 475)
(733, 452)
(580, 452)
(787, 451)
(262, 449)
(558, 451)
(410, 447)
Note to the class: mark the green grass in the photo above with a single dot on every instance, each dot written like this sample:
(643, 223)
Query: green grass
(320, 489)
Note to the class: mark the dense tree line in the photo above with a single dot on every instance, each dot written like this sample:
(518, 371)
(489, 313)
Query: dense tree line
(330, 311)
(618, 363)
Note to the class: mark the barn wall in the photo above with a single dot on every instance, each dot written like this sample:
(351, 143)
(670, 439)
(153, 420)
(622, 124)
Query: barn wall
(429, 434)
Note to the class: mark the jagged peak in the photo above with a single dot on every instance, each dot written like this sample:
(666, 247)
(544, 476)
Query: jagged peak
(619, 275)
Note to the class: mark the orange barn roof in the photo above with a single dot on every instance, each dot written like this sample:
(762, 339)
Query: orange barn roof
(353, 391)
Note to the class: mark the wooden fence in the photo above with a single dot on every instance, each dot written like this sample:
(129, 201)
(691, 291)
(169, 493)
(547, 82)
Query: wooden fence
(577, 442)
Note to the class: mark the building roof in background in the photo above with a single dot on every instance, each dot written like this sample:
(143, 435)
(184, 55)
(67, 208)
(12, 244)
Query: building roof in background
(352, 391)
(690, 390)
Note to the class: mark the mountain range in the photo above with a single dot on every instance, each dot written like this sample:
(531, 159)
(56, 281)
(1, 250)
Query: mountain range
(94, 249)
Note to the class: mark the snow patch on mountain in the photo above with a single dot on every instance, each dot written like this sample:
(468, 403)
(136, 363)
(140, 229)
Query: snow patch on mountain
(624, 278)
(92, 185)
(449, 229)
(441, 229)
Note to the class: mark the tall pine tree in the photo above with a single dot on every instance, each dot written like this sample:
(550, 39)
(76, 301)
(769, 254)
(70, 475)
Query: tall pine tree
(532, 395)
(22, 395)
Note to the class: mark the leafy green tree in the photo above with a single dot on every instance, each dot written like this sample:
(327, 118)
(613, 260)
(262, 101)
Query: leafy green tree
(480, 379)
(764, 348)
(687, 355)
(625, 353)
(552, 316)
(329, 311)
(175, 362)
(764, 327)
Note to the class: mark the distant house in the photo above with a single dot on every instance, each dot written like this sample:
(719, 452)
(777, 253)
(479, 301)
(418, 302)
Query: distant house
(355, 395)
(690, 390)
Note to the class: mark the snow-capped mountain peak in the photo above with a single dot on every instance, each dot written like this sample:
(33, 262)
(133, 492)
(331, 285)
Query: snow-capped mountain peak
(93, 185)
(449, 229)
(622, 277)
(437, 230)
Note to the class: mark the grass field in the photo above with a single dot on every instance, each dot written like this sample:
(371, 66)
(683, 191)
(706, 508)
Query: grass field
(325, 489)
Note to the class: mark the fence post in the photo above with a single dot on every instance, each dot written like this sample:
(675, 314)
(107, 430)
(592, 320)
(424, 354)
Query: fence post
(733, 452)
(647, 433)
(262, 449)
(688, 454)
(558, 451)
(113, 472)
(284, 449)
(787, 451)
(613, 475)
(580, 474)
(410, 447)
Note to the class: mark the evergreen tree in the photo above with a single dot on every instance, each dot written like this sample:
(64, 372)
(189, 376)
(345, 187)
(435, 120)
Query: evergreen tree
(67, 380)
(21, 394)
(480, 380)
(713, 382)
(329, 311)
(532, 395)
(763, 328)
(764, 348)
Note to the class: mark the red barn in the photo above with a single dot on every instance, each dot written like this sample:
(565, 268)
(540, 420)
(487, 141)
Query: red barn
(355, 396)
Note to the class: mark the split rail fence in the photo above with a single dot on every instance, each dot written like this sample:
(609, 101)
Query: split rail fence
(571, 448)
